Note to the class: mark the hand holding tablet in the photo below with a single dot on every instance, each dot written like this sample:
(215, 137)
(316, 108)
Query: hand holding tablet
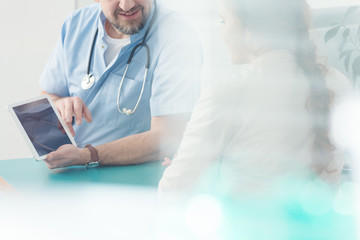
(41, 126)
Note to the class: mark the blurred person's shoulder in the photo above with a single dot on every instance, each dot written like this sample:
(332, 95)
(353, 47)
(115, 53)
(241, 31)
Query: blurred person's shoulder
(229, 90)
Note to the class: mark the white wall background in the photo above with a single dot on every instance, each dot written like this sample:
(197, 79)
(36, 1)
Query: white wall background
(30, 30)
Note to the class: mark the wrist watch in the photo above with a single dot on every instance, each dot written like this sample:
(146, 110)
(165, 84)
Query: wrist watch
(95, 161)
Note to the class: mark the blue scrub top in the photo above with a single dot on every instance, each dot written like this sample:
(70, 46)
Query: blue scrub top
(172, 85)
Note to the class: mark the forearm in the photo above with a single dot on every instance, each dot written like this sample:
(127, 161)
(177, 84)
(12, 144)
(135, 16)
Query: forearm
(161, 141)
(136, 149)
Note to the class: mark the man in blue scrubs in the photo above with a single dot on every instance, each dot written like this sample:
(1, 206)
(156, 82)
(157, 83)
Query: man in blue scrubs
(98, 40)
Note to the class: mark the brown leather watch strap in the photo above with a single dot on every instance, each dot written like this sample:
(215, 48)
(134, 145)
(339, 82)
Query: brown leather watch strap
(94, 154)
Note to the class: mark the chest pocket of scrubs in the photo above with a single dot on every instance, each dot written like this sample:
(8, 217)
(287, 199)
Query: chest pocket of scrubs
(130, 92)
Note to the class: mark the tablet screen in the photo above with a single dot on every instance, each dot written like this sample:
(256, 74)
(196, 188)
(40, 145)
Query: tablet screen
(42, 126)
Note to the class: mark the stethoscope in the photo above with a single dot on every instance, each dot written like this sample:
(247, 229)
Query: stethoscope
(89, 79)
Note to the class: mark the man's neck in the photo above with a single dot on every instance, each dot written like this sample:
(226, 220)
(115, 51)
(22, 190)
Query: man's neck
(113, 32)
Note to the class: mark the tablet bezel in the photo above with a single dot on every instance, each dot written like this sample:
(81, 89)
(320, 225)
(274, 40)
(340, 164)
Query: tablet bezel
(10, 109)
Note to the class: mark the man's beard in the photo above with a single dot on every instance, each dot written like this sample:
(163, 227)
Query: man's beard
(130, 27)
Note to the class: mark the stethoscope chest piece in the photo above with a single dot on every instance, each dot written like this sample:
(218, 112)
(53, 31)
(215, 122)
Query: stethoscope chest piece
(88, 81)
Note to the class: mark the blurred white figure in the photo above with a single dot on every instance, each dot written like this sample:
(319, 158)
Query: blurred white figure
(250, 133)
(346, 129)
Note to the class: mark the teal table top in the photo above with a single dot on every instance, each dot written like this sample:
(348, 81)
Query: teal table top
(94, 202)
(28, 174)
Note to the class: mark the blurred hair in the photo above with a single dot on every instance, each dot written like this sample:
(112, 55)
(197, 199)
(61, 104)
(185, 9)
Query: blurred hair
(284, 24)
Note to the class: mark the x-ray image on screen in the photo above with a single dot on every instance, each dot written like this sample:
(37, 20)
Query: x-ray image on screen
(42, 126)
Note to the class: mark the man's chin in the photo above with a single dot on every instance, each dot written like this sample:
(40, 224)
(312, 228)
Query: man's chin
(130, 30)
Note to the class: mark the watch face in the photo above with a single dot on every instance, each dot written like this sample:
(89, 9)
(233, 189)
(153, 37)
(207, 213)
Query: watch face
(92, 164)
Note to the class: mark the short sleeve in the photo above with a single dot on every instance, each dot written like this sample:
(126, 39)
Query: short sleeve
(53, 78)
(176, 78)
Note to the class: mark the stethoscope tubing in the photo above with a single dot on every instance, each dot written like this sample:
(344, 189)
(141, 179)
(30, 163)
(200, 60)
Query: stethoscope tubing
(91, 79)
(92, 52)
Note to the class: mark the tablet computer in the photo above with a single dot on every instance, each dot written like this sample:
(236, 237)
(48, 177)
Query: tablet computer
(41, 126)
